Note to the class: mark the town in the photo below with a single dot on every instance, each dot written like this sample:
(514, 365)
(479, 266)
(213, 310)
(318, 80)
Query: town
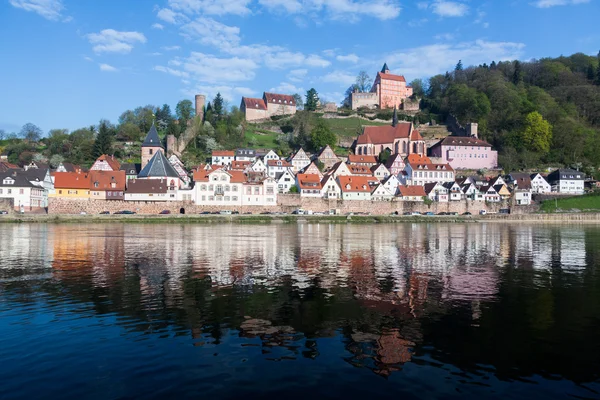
(390, 169)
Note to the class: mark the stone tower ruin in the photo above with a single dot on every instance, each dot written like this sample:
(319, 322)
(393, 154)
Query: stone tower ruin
(200, 101)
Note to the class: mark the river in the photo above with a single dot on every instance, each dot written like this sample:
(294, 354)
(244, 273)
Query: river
(153, 311)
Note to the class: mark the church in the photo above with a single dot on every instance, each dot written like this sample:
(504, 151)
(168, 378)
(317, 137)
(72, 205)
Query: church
(399, 138)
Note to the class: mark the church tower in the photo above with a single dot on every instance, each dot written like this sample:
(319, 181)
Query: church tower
(151, 145)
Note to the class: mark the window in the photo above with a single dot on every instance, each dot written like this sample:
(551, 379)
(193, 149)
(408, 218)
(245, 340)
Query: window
(269, 189)
(248, 190)
(21, 191)
(227, 188)
(234, 198)
(59, 192)
(109, 194)
(96, 184)
(203, 187)
(150, 151)
(211, 198)
(203, 198)
(234, 188)
(211, 188)
(226, 198)
(257, 190)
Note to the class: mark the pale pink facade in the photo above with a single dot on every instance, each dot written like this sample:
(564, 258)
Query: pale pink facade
(466, 153)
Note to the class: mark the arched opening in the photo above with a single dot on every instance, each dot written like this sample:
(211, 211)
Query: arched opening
(182, 210)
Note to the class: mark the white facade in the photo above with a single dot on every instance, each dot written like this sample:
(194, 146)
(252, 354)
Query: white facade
(222, 190)
(300, 160)
(540, 185)
(391, 184)
(23, 196)
(222, 159)
(439, 193)
(381, 172)
(170, 195)
(286, 181)
(259, 166)
(275, 167)
(430, 173)
(522, 197)
(330, 190)
(381, 193)
(271, 155)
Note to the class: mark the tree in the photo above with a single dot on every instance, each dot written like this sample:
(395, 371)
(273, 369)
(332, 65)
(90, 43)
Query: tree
(348, 95)
(321, 136)
(467, 104)
(2, 134)
(418, 87)
(56, 160)
(217, 106)
(384, 155)
(130, 132)
(459, 66)
(184, 112)
(173, 129)
(299, 102)
(104, 139)
(363, 82)
(537, 134)
(591, 73)
(57, 141)
(312, 100)
(164, 114)
(31, 132)
(517, 75)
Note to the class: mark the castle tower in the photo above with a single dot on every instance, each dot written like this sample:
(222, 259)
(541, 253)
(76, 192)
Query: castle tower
(151, 145)
(385, 69)
(200, 101)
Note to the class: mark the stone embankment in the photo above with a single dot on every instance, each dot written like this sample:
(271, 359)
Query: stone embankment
(285, 204)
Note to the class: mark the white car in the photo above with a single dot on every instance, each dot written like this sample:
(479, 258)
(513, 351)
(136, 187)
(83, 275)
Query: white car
(225, 212)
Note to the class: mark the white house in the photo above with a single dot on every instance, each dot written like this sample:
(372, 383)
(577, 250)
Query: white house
(391, 183)
(381, 193)
(270, 156)
(490, 194)
(149, 190)
(276, 167)
(436, 192)
(412, 193)
(231, 188)
(355, 187)
(422, 173)
(454, 191)
(222, 157)
(309, 185)
(471, 192)
(330, 188)
(258, 166)
(245, 155)
(567, 181)
(539, 184)
(41, 178)
(285, 181)
(380, 171)
(300, 160)
(25, 195)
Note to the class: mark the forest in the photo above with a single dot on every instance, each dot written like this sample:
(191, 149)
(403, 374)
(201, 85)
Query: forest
(537, 114)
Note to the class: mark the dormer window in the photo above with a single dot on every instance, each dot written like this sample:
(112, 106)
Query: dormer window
(9, 181)
(96, 184)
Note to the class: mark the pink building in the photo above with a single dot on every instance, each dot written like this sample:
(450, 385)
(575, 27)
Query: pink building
(466, 153)
(390, 88)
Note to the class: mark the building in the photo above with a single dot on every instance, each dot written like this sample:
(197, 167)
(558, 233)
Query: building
(465, 153)
(222, 157)
(177, 164)
(41, 178)
(567, 181)
(106, 163)
(107, 185)
(436, 192)
(300, 160)
(422, 173)
(233, 188)
(271, 155)
(368, 161)
(327, 157)
(240, 165)
(454, 191)
(539, 184)
(330, 188)
(380, 171)
(149, 190)
(160, 168)
(395, 164)
(285, 181)
(277, 167)
(131, 170)
(73, 185)
(356, 187)
(398, 138)
(151, 146)
(381, 193)
(259, 166)
(388, 91)
(312, 169)
(391, 183)
(412, 193)
(26, 196)
(271, 104)
(309, 185)
(245, 155)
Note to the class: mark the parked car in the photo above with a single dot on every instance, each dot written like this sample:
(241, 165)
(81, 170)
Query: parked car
(165, 212)
(442, 213)
(126, 212)
(104, 212)
(467, 213)
(3, 212)
(83, 213)
(266, 213)
(205, 213)
(225, 212)
(407, 213)
(504, 211)
(415, 213)
(235, 212)
(248, 213)
(453, 213)
(298, 212)
(428, 213)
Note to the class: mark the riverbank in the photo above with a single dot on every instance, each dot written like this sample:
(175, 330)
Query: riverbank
(592, 218)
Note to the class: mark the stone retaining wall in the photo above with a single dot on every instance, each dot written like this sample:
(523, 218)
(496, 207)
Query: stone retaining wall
(285, 203)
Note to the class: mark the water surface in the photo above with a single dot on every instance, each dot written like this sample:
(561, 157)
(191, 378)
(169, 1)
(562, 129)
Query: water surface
(121, 311)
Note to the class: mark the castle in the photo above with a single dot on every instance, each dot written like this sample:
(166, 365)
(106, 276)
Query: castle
(270, 104)
(388, 91)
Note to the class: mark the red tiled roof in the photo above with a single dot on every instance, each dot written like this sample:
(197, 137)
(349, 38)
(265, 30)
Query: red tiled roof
(5, 166)
(309, 181)
(417, 159)
(71, 180)
(413, 190)
(391, 77)
(254, 103)
(279, 98)
(279, 163)
(384, 134)
(201, 175)
(237, 176)
(359, 169)
(355, 183)
(241, 165)
(464, 141)
(105, 179)
(430, 167)
(223, 153)
(356, 159)
(415, 135)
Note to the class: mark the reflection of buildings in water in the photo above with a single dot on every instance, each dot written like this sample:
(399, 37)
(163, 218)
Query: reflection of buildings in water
(572, 248)
(30, 242)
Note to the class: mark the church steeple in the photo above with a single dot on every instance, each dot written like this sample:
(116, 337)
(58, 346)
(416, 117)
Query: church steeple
(385, 69)
(151, 145)
(395, 117)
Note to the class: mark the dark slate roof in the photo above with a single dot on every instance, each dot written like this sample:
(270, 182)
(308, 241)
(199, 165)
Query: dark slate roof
(35, 174)
(152, 139)
(385, 68)
(566, 173)
(131, 169)
(20, 180)
(245, 153)
(158, 167)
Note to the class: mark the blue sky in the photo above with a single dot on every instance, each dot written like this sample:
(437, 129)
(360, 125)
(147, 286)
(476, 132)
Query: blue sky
(69, 63)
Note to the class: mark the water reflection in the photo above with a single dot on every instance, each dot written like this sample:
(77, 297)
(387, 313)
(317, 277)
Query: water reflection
(480, 304)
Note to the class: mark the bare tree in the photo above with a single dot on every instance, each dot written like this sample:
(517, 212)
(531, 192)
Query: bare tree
(363, 82)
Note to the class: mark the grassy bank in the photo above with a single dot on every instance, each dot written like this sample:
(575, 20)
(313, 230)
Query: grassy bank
(585, 203)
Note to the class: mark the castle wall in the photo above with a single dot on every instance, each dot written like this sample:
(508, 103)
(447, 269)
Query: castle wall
(369, 100)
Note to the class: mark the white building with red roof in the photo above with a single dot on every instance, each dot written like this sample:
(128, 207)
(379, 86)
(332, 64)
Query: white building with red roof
(309, 185)
(271, 104)
(422, 173)
(356, 187)
(232, 188)
(222, 157)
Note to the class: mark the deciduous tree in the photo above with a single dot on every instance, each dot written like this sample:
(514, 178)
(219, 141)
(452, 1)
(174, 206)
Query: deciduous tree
(537, 134)
(363, 82)
(31, 132)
